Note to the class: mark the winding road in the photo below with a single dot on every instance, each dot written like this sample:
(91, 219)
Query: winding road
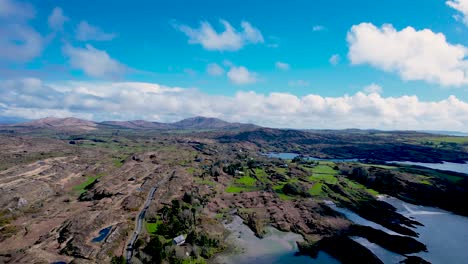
(139, 221)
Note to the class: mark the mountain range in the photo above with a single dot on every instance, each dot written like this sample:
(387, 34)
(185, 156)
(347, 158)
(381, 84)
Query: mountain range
(75, 124)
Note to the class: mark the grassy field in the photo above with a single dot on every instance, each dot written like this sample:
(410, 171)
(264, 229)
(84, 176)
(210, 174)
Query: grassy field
(246, 180)
(152, 227)
(446, 139)
(316, 190)
(81, 188)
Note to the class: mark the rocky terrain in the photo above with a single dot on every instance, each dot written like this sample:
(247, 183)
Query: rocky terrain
(71, 194)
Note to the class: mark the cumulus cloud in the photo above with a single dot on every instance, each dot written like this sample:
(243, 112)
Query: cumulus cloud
(228, 40)
(413, 54)
(57, 19)
(282, 66)
(87, 32)
(129, 100)
(373, 88)
(334, 59)
(462, 7)
(241, 75)
(214, 69)
(93, 62)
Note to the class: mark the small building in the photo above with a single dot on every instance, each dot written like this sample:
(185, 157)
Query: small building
(179, 240)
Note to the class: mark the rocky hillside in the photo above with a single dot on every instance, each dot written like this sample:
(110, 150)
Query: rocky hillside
(60, 124)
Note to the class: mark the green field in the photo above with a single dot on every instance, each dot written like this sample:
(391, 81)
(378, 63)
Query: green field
(316, 190)
(81, 188)
(246, 180)
(323, 169)
(152, 227)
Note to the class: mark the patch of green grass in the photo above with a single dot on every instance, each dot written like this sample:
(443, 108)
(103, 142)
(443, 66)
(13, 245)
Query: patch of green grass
(330, 179)
(316, 190)
(118, 162)
(246, 180)
(323, 169)
(81, 188)
(152, 227)
(260, 172)
(191, 170)
(358, 186)
(261, 175)
(285, 197)
(199, 260)
(446, 139)
(426, 182)
(282, 170)
(238, 189)
(278, 188)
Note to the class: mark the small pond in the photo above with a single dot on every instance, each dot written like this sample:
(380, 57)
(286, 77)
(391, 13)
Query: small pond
(102, 235)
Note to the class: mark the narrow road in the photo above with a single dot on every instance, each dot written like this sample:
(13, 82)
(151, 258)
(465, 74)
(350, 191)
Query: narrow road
(139, 221)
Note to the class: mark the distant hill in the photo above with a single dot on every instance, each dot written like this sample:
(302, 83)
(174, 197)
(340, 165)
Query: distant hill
(60, 124)
(136, 124)
(193, 123)
(199, 122)
(72, 124)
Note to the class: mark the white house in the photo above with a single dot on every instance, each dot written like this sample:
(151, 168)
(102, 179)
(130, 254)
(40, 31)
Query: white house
(179, 240)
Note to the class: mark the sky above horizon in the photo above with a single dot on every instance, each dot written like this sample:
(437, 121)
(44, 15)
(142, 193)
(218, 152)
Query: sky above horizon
(298, 64)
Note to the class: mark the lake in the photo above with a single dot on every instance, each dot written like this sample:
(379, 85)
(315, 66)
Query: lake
(276, 247)
(289, 156)
(448, 166)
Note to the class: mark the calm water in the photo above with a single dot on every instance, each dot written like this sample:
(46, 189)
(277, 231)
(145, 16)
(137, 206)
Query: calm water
(102, 234)
(276, 247)
(289, 156)
(449, 166)
(445, 234)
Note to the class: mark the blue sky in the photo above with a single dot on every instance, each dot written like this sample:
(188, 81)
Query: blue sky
(297, 49)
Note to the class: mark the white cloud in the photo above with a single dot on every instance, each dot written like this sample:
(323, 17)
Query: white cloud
(94, 62)
(373, 88)
(228, 40)
(462, 7)
(282, 66)
(214, 69)
(298, 83)
(414, 55)
(241, 75)
(87, 32)
(15, 10)
(57, 19)
(318, 28)
(20, 43)
(334, 59)
(128, 100)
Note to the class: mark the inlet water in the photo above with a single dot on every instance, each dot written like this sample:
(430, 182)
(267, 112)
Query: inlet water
(276, 247)
(448, 166)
